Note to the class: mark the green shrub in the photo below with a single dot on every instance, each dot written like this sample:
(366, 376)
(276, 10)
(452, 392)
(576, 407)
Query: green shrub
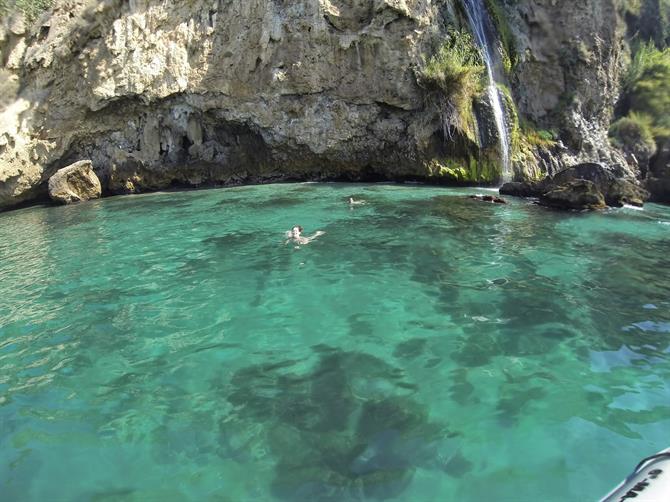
(455, 74)
(541, 137)
(646, 87)
(634, 134)
(30, 8)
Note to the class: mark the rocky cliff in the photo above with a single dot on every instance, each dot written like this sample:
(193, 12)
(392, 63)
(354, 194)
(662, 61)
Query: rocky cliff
(193, 92)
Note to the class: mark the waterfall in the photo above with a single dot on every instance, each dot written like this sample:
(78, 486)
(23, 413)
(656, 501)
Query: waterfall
(480, 25)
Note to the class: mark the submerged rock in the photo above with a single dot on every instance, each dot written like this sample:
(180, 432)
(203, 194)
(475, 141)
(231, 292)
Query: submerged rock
(347, 429)
(578, 194)
(489, 198)
(75, 183)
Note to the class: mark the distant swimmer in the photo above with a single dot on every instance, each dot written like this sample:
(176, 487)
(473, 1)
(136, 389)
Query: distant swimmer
(295, 235)
(353, 202)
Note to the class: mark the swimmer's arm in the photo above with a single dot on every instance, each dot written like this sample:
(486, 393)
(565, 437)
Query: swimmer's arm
(312, 237)
(316, 234)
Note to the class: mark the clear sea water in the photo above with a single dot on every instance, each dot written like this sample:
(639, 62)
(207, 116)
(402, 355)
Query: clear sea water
(427, 347)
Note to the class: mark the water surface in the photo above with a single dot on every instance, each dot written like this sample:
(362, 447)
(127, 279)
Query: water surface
(428, 347)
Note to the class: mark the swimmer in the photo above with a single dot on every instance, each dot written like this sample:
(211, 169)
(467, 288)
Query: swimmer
(295, 235)
(353, 202)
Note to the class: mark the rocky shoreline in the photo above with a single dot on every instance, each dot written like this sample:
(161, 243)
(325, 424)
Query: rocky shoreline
(157, 95)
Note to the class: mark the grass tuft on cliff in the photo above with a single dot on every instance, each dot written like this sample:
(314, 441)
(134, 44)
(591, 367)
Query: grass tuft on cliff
(31, 9)
(455, 74)
(634, 134)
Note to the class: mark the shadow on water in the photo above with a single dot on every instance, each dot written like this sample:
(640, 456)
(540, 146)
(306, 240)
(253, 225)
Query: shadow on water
(349, 429)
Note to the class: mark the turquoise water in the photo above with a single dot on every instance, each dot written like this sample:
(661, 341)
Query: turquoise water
(427, 347)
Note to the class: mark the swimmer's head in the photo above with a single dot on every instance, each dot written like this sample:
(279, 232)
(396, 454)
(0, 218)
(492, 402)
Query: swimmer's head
(296, 231)
(351, 200)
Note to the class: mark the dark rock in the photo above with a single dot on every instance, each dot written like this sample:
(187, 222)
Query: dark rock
(566, 192)
(577, 194)
(488, 198)
(522, 189)
(620, 192)
(616, 191)
(658, 181)
(659, 189)
(591, 171)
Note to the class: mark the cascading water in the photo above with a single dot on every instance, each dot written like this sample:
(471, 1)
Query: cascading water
(480, 25)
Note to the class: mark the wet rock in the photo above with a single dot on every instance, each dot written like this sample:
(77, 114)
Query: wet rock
(75, 183)
(488, 198)
(620, 192)
(578, 194)
(615, 191)
(521, 189)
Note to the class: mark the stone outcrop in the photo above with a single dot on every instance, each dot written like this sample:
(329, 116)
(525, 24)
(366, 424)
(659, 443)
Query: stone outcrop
(75, 183)
(196, 92)
(583, 186)
(577, 194)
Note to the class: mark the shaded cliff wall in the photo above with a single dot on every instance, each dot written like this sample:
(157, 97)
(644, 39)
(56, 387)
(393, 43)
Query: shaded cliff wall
(570, 56)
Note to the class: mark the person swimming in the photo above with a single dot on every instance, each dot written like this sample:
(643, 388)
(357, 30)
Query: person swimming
(295, 235)
(353, 202)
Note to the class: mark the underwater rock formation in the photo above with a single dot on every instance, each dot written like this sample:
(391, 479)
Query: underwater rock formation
(346, 429)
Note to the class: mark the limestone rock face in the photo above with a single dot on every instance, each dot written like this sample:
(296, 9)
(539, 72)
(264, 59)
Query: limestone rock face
(75, 183)
(571, 56)
(192, 92)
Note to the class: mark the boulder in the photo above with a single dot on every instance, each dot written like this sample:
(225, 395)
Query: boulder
(620, 192)
(591, 171)
(615, 191)
(522, 189)
(577, 194)
(75, 183)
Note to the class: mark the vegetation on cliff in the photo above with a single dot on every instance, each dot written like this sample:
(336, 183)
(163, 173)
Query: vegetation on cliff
(508, 51)
(643, 114)
(30, 8)
(454, 78)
